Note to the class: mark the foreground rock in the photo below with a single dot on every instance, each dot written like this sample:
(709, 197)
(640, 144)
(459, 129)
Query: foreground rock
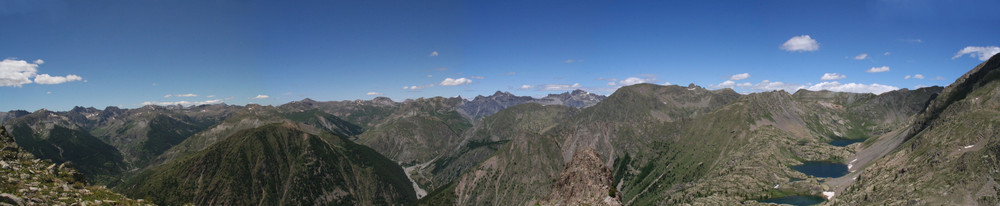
(26, 180)
(585, 181)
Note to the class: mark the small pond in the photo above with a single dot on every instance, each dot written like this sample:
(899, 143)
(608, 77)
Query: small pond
(796, 200)
(822, 169)
(844, 142)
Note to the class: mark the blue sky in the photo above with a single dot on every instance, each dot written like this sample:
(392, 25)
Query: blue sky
(131, 53)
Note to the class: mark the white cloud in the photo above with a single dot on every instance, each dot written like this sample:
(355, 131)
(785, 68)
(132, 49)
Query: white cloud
(643, 78)
(569, 61)
(886, 53)
(878, 69)
(742, 76)
(525, 86)
(938, 78)
(477, 77)
(14, 73)
(984, 53)
(725, 84)
(260, 96)
(417, 87)
(48, 92)
(633, 80)
(430, 75)
(852, 87)
(46, 79)
(210, 96)
(182, 95)
(374, 94)
(434, 53)
(833, 76)
(915, 76)
(185, 103)
(800, 44)
(861, 56)
(560, 87)
(667, 83)
(611, 84)
(768, 85)
(912, 41)
(455, 82)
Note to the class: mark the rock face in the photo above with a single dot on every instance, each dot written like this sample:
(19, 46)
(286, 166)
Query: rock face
(483, 106)
(584, 181)
(277, 164)
(576, 98)
(26, 180)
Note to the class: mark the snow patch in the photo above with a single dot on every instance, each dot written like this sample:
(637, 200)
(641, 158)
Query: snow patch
(851, 164)
(969, 146)
(828, 194)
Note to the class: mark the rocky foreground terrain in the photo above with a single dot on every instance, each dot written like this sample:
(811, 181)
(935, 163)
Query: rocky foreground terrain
(26, 180)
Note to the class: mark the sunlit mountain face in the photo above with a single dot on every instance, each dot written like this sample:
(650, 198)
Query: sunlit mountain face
(499, 103)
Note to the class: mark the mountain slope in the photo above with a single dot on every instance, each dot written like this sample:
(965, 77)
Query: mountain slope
(418, 131)
(273, 164)
(950, 152)
(49, 139)
(505, 160)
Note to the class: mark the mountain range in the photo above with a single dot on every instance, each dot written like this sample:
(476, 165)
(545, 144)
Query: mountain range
(644, 144)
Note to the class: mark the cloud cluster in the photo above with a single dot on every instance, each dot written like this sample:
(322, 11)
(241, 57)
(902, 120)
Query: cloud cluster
(767, 85)
(374, 94)
(862, 56)
(413, 88)
(455, 82)
(260, 96)
(635, 80)
(983, 52)
(915, 76)
(15, 73)
(46, 79)
(561, 87)
(525, 86)
(800, 44)
(184, 95)
(185, 103)
(832, 76)
(878, 69)
(434, 53)
(852, 87)
(737, 77)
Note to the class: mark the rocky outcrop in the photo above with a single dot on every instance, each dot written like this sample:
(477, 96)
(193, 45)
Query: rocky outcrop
(26, 180)
(584, 181)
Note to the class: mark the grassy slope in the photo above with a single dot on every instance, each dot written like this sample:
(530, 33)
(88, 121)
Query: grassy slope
(276, 164)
